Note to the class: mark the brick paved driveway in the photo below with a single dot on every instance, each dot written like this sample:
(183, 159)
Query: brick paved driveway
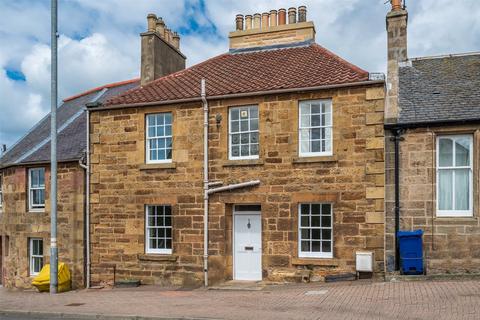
(353, 300)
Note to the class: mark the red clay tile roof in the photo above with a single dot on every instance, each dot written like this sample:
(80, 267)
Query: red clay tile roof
(287, 68)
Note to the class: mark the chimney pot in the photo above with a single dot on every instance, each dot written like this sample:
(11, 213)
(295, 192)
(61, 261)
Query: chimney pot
(160, 27)
(282, 16)
(239, 21)
(168, 35)
(248, 22)
(302, 14)
(256, 20)
(396, 5)
(151, 22)
(265, 17)
(292, 15)
(273, 18)
(176, 41)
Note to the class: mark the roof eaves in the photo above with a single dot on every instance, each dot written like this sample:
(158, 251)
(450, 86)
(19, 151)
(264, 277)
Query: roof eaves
(234, 95)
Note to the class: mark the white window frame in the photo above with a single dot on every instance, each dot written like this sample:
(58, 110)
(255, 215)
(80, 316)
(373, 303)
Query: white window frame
(230, 133)
(454, 213)
(32, 256)
(310, 254)
(148, 227)
(326, 127)
(148, 139)
(31, 206)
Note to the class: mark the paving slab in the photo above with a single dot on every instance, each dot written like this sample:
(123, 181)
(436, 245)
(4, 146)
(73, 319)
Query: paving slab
(356, 300)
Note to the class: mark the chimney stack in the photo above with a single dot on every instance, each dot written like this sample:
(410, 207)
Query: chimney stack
(397, 52)
(271, 28)
(160, 51)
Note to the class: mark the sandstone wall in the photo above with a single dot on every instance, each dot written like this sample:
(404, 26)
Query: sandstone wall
(122, 184)
(20, 225)
(450, 243)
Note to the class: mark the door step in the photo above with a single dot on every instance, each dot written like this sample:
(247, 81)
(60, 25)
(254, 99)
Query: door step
(237, 285)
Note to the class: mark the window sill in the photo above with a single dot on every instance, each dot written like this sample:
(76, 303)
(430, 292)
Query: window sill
(315, 159)
(157, 257)
(246, 162)
(36, 210)
(325, 262)
(154, 166)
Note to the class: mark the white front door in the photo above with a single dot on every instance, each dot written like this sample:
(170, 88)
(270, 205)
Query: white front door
(247, 237)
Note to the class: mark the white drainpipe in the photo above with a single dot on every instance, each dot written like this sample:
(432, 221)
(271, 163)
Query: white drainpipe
(87, 202)
(207, 184)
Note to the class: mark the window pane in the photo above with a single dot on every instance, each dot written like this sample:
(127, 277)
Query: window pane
(305, 246)
(304, 109)
(315, 221)
(41, 174)
(462, 152)
(326, 234)
(168, 130)
(445, 153)
(315, 246)
(235, 139)
(326, 221)
(316, 234)
(244, 138)
(305, 121)
(254, 150)
(315, 134)
(445, 190)
(305, 209)
(306, 234)
(315, 146)
(315, 108)
(244, 150)
(315, 209)
(244, 125)
(254, 112)
(326, 246)
(151, 131)
(235, 126)
(254, 124)
(305, 221)
(326, 209)
(235, 151)
(462, 189)
(160, 131)
(168, 118)
(151, 120)
(315, 120)
(235, 114)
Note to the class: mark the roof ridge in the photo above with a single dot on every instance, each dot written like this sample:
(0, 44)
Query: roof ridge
(340, 59)
(106, 86)
(451, 55)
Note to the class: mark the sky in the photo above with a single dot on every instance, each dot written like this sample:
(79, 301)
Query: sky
(99, 40)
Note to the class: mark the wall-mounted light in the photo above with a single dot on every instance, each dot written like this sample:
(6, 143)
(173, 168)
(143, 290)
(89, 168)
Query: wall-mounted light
(218, 119)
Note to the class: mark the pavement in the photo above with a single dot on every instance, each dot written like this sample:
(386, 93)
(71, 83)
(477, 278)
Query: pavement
(363, 299)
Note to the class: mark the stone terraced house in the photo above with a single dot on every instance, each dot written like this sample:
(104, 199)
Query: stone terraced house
(432, 118)
(294, 185)
(25, 188)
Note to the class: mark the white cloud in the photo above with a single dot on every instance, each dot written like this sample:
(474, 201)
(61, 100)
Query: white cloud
(99, 40)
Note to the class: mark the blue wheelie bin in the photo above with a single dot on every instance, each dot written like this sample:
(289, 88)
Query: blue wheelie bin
(410, 244)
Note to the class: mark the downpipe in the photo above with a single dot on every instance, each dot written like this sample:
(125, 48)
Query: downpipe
(396, 140)
(86, 167)
(205, 182)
